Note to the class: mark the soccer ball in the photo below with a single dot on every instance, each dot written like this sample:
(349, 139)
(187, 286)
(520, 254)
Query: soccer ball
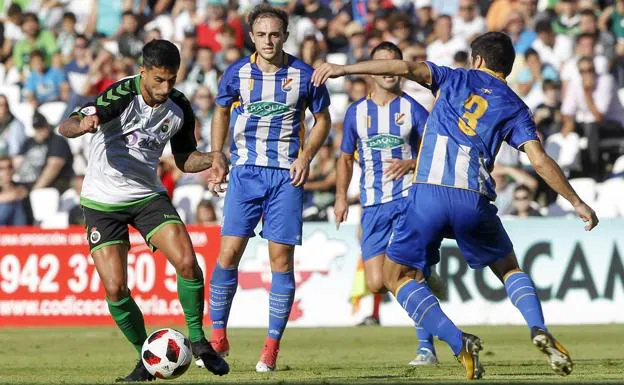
(166, 353)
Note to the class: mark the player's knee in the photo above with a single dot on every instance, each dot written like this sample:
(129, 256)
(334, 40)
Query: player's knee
(116, 290)
(376, 284)
(187, 267)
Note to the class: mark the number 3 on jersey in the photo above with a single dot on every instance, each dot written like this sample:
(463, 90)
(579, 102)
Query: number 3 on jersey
(475, 106)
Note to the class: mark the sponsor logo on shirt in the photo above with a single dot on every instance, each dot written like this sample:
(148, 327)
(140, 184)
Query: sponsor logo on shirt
(399, 118)
(165, 126)
(263, 109)
(384, 142)
(287, 85)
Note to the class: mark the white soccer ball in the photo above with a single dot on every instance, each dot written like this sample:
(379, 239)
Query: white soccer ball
(167, 353)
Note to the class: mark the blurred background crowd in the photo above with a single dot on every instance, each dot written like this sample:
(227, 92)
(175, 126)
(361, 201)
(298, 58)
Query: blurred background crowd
(59, 54)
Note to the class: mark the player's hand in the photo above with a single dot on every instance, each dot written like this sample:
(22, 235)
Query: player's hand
(398, 168)
(217, 172)
(299, 171)
(89, 124)
(326, 71)
(587, 214)
(341, 210)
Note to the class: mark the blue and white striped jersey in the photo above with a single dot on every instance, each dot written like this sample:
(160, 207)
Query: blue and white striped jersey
(266, 124)
(381, 133)
(475, 111)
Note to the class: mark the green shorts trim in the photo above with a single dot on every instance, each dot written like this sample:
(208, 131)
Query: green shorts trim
(112, 207)
(116, 242)
(155, 229)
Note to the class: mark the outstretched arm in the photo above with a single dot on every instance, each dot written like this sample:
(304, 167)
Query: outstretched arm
(73, 127)
(194, 161)
(416, 71)
(552, 174)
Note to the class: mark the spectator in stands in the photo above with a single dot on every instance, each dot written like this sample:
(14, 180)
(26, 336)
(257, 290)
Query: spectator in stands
(358, 89)
(568, 18)
(460, 60)
(468, 23)
(12, 210)
(101, 73)
(67, 37)
(521, 37)
(232, 55)
(185, 17)
(70, 201)
(585, 47)
(507, 178)
(417, 52)
(311, 51)
(522, 199)
(358, 50)
(43, 84)
(205, 213)
(531, 77)
(445, 46)
(605, 43)
(45, 160)
(203, 73)
(425, 25)
(216, 18)
(498, 13)
(591, 104)
(227, 38)
(400, 29)
(12, 30)
(130, 38)
(319, 13)
(76, 74)
(12, 134)
(552, 49)
(548, 114)
(320, 187)
(35, 38)
(106, 17)
(203, 101)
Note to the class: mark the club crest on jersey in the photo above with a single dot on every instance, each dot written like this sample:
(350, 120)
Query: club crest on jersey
(384, 142)
(165, 126)
(95, 235)
(399, 118)
(287, 84)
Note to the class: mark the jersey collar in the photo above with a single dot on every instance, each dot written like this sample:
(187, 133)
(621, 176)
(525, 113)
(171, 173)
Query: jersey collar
(497, 75)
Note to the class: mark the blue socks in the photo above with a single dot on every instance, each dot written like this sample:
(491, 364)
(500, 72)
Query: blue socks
(222, 289)
(423, 307)
(425, 339)
(521, 292)
(280, 302)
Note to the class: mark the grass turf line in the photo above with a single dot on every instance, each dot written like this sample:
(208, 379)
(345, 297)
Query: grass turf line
(366, 355)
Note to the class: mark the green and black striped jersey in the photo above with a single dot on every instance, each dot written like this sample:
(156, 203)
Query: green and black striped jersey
(126, 148)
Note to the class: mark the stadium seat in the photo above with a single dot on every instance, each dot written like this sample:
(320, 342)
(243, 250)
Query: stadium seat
(585, 188)
(336, 85)
(186, 198)
(53, 112)
(12, 93)
(618, 166)
(56, 221)
(609, 202)
(44, 203)
(24, 112)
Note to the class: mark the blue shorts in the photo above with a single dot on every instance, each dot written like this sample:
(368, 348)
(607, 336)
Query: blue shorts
(377, 224)
(263, 192)
(434, 212)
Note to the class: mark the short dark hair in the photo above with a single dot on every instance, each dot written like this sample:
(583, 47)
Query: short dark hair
(522, 187)
(548, 84)
(461, 57)
(496, 49)
(30, 15)
(14, 10)
(38, 53)
(161, 53)
(543, 26)
(69, 15)
(359, 80)
(128, 13)
(530, 52)
(388, 46)
(265, 10)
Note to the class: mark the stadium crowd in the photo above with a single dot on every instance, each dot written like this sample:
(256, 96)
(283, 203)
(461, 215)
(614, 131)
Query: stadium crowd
(59, 54)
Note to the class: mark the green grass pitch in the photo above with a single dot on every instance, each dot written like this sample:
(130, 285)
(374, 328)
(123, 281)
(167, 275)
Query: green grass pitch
(367, 355)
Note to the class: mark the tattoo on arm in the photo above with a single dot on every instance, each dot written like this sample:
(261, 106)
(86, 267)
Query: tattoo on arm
(193, 162)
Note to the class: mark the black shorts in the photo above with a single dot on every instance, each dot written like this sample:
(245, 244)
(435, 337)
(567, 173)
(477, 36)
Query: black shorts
(106, 228)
